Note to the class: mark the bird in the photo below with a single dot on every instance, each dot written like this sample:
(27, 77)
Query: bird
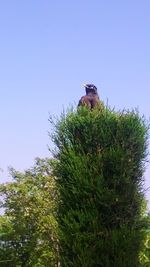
(91, 99)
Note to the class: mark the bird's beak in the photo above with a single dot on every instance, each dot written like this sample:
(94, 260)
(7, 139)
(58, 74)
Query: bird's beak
(84, 84)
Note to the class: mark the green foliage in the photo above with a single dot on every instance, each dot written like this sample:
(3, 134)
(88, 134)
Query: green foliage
(100, 164)
(145, 252)
(28, 229)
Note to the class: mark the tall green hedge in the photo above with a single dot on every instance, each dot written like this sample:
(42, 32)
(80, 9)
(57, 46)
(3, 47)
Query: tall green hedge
(99, 171)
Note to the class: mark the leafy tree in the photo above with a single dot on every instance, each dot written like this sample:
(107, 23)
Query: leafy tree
(100, 164)
(145, 252)
(28, 228)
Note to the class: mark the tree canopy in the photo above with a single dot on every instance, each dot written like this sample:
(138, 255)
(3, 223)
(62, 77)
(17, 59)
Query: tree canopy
(28, 228)
(86, 206)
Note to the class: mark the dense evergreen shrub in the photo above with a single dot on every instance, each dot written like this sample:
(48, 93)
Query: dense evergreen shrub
(99, 170)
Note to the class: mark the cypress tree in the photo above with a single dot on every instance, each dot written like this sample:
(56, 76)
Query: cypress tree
(99, 171)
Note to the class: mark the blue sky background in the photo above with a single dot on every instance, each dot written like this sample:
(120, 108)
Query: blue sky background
(49, 48)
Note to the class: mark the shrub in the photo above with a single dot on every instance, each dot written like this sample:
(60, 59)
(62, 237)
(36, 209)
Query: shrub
(99, 169)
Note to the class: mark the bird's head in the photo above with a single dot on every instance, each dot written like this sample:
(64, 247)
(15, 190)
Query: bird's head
(90, 88)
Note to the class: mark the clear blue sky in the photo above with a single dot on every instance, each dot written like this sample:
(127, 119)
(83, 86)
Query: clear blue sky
(49, 48)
